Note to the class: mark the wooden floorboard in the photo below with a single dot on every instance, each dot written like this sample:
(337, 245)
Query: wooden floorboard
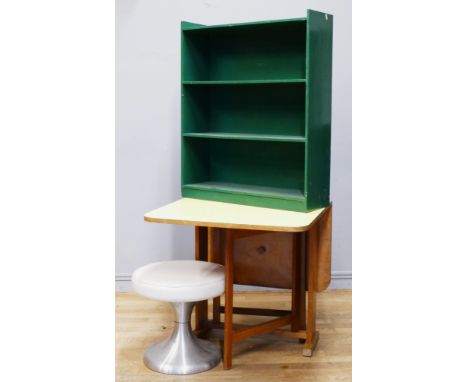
(140, 322)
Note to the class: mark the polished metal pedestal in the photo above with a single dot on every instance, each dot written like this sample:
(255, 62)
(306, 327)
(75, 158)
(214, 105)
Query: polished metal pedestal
(182, 352)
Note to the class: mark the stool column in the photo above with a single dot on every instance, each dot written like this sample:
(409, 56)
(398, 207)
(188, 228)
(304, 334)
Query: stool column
(182, 352)
(183, 311)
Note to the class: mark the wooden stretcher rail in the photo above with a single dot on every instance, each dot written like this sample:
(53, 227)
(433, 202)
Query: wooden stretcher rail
(258, 311)
(262, 328)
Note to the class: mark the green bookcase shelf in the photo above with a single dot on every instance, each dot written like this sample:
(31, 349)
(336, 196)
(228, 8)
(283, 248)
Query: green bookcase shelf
(248, 137)
(245, 82)
(256, 112)
(248, 189)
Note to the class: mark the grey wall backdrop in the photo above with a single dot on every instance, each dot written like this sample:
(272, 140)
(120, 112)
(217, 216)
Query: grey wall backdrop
(148, 122)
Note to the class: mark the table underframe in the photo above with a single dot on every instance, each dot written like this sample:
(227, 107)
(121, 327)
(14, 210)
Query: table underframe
(310, 270)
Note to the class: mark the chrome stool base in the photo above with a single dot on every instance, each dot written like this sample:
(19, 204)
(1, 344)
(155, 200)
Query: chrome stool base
(182, 352)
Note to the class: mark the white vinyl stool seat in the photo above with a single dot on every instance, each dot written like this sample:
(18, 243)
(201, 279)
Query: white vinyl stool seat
(179, 280)
(182, 283)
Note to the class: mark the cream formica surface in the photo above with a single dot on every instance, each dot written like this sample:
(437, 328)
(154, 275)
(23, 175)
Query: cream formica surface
(205, 213)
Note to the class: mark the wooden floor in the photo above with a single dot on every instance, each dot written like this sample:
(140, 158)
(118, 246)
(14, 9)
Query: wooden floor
(140, 322)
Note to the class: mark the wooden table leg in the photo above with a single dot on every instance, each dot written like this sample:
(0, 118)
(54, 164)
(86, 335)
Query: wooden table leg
(228, 299)
(302, 291)
(298, 284)
(311, 334)
(324, 244)
(214, 257)
(201, 253)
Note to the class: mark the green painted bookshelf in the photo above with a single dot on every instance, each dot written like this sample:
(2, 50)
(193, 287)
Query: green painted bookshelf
(256, 112)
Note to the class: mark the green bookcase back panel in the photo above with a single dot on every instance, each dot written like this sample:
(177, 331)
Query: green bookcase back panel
(274, 109)
(245, 52)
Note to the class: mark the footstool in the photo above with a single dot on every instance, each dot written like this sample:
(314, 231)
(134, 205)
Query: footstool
(182, 283)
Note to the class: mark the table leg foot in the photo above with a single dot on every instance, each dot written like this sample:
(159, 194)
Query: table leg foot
(309, 346)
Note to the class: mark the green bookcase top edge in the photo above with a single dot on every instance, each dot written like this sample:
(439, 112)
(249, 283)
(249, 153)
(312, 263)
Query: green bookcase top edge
(188, 26)
(326, 14)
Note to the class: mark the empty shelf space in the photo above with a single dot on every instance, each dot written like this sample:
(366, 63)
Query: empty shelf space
(260, 51)
(247, 82)
(259, 109)
(248, 137)
(235, 188)
(244, 167)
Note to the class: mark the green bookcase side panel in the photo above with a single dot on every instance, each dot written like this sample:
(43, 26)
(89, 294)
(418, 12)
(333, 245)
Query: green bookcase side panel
(195, 161)
(256, 51)
(193, 60)
(318, 108)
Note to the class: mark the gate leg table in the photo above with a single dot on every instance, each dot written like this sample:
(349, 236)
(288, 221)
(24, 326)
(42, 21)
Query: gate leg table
(311, 252)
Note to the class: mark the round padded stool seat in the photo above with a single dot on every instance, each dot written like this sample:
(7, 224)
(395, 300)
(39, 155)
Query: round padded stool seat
(179, 280)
